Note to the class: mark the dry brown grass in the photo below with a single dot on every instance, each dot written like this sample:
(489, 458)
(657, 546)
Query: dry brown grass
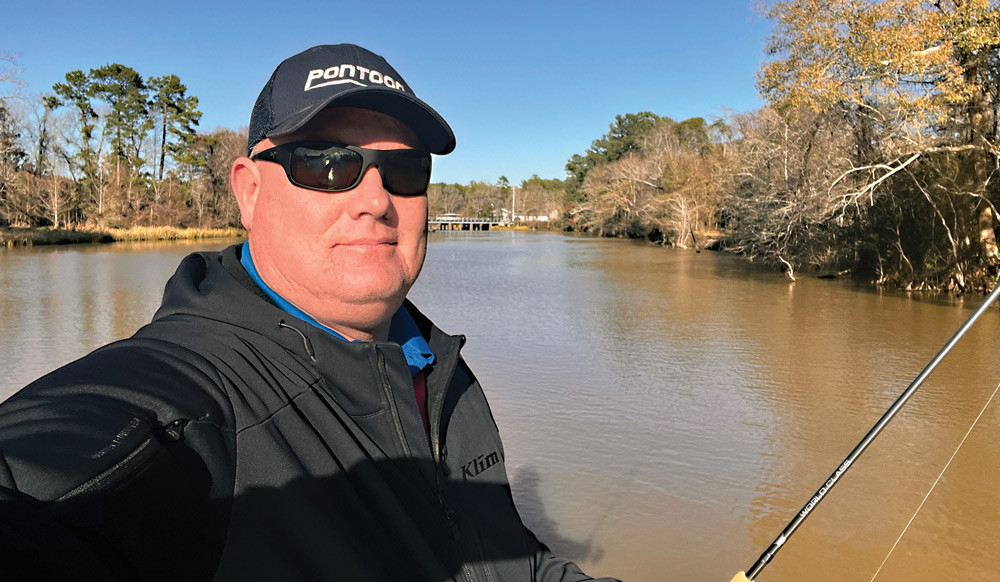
(15, 236)
(138, 233)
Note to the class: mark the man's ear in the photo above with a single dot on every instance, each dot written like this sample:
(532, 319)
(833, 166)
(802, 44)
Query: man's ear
(244, 179)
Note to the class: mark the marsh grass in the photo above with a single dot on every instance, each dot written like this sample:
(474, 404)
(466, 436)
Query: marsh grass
(15, 236)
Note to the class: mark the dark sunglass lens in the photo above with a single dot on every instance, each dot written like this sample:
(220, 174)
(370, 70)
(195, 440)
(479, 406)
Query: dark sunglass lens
(407, 173)
(328, 169)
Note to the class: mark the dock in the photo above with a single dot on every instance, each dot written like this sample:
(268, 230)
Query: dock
(455, 222)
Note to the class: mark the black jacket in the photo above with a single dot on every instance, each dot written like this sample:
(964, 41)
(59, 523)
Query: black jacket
(228, 440)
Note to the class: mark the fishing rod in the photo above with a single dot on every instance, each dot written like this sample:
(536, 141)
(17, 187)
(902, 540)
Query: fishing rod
(848, 462)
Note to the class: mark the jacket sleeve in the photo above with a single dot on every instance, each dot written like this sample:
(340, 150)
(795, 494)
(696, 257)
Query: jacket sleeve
(35, 546)
(106, 470)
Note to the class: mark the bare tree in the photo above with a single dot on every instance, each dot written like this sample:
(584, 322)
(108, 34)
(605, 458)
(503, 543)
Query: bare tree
(445, 199)
(778, 206)
(916, 84)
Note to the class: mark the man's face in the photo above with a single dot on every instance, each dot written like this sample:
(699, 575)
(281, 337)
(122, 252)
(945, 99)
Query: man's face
(346, 258)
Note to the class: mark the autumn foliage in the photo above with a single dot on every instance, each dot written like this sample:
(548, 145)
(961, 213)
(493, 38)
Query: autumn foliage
(876, 155)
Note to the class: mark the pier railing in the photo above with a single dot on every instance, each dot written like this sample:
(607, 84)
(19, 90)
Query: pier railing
(454, 222)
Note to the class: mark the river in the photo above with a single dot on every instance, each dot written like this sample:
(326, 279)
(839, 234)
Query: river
(665, 413)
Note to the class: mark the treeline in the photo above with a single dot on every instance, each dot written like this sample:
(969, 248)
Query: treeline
(111, 148)
(534, 200)
(877, 155)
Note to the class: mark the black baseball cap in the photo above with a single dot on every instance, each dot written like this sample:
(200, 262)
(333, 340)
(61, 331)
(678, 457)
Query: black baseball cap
(344, 75)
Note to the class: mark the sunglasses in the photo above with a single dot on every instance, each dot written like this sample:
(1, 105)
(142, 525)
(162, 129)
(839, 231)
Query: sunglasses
(333, 167)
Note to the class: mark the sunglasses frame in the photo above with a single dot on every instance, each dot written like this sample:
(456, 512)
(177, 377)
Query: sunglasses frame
(282, 155)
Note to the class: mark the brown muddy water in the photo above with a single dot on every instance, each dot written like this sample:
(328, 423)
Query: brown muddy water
(664, 413)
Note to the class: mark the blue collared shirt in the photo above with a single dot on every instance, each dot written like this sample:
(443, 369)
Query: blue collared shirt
(402, 329)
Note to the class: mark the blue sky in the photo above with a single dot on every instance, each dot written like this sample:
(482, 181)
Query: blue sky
(524, 84)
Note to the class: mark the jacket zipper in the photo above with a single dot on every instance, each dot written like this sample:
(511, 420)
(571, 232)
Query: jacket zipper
(117, 472)
(468, 573)
(383, 380)
(435, 418)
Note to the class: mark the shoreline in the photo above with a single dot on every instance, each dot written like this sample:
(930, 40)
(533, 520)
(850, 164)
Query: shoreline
(28, 236)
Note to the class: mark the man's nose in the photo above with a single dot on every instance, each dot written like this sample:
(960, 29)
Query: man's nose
(369, 196)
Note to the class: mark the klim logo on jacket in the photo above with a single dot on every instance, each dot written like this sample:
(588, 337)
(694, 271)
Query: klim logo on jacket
(476, 466)
(349, 74)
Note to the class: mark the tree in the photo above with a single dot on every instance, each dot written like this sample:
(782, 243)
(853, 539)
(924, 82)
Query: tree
(85, 148)
(445, 198)
(12, 157)
(484, 199)
(623, 137)
(505, 193)
(540, 197)
(177, 114)
(10, 71)
(777, 208)
(209, 191)
(124, 90)
(10, 154)
(684, 183)
(43, 197)
(654, 178)
(86, 163)
(917, 84)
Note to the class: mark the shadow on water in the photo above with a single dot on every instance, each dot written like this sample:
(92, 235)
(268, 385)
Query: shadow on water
(527, 493)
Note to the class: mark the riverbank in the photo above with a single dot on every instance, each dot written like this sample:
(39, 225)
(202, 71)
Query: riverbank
(16, 236)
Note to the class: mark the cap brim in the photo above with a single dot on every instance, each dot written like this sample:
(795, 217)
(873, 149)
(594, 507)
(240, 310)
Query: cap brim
(432, 130)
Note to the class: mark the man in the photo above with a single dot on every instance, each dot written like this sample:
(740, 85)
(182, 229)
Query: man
(287, 415)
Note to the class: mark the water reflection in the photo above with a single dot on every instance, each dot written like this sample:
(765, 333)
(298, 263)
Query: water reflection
(694, 403)
(664, 413)
(59, 302)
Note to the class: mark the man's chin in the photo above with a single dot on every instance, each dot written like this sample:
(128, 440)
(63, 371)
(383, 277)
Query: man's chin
(365, 291)
(375, 307)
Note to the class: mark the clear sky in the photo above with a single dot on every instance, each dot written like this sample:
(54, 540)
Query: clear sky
(525, 84)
